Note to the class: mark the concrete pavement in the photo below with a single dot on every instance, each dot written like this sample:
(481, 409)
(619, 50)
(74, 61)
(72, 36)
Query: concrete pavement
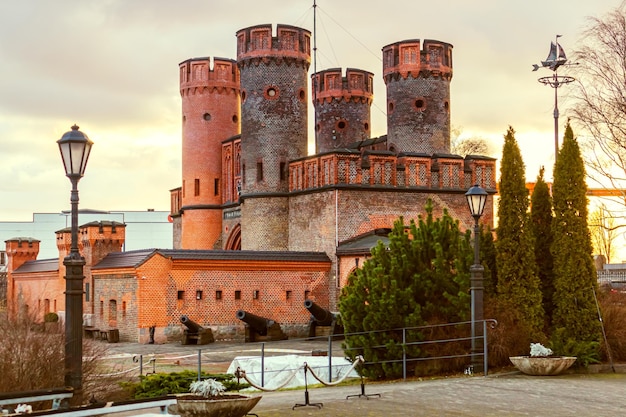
(501, 394)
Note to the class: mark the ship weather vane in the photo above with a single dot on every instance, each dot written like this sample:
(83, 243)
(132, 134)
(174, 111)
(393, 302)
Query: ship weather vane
(556, 58)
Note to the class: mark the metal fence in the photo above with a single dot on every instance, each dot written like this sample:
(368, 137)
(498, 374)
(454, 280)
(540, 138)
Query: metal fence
(333, 352)
(613, 279)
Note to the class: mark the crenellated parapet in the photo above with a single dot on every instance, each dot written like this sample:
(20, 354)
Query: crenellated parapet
(20, 250)
(410, 57)
(291, 44)
(342, 107)
(356, 85)
(198, 75)
(386, 169)
(100, 238)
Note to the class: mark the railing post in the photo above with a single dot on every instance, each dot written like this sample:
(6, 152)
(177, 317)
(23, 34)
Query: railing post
(199, 364)
(404, 353)
(330, 358)
(140, 365)
(485, 355)
(263, 364)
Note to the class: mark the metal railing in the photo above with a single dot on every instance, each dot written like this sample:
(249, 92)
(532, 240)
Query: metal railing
(331, 346)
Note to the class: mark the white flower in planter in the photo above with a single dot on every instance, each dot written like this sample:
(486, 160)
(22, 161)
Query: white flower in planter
(24, 409)
(207, 388)
(538, 350)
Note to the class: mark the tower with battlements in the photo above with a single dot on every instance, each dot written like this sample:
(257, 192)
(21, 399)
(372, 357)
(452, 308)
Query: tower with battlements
(417, 76)
(274, 104)
(342, 107)
(210, 96)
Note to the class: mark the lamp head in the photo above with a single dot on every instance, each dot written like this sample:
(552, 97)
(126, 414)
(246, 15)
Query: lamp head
(476, 199)
(75, 147)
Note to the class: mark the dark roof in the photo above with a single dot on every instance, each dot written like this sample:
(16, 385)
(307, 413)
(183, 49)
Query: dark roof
(136, 258)
(367, 142)
(23, 239)
(128, 259)
(43, 265)
(363, 243)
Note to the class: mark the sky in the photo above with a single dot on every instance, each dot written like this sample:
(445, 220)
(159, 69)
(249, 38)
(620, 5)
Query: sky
(111, 67)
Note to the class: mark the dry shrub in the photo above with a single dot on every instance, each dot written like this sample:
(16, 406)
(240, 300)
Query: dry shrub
(32, 357)
(510, 337)
(450, 364)
(613, 309)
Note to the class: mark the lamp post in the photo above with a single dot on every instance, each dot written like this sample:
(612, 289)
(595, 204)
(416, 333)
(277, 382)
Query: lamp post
(476, 199)
(75, 147)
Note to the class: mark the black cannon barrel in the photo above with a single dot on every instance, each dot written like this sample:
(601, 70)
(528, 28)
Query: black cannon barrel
(258, 323)
(190, 324)
(322, 316)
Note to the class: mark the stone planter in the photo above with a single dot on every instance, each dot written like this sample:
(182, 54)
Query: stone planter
(548, 365)
(189, 405)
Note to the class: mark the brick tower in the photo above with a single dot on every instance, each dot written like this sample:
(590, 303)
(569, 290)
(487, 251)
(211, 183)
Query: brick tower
(418, 95)
(211, 114)
(342, 106)
(273, 128)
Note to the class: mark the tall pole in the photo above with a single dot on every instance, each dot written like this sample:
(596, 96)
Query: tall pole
(315, 83)
(476, 293)
(75, 148)
(74, 302)
(556, 117)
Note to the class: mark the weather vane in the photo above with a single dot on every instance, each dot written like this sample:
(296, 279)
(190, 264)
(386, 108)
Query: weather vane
(556, 58)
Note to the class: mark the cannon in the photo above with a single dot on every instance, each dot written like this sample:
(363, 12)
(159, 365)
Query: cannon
(260, 328)
(323, 322)
(195, 334)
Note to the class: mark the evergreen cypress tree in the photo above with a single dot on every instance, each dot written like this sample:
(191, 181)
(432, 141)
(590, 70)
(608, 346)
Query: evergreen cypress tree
(518, 283)
(575, 319)
(422, 277)
(541, 225)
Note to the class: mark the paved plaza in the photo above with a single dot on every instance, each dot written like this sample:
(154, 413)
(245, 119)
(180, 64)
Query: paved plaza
(499, 394)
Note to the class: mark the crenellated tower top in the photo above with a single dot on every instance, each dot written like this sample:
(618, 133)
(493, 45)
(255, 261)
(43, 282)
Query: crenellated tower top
(200, 73)
(256, 44)
(418, 76)
(431, 59)
(342, 105)
(356, 85)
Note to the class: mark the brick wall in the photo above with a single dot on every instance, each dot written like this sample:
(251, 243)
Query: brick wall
(318, 221)
(161, 290)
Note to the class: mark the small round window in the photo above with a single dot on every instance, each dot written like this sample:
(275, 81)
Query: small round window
(207, 116)
(420, 104)
(390, 106)
(342, 124)
(235, 118)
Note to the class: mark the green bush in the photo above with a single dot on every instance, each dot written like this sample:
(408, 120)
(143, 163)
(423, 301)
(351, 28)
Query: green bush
(157, 385)
(51, 317)
(586, 352)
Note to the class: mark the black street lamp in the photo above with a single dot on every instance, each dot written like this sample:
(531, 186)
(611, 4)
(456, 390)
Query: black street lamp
(476, 199)
(75, 147)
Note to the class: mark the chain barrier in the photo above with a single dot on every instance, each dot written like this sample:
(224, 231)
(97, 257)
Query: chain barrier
(358, 360)
(240, 373)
